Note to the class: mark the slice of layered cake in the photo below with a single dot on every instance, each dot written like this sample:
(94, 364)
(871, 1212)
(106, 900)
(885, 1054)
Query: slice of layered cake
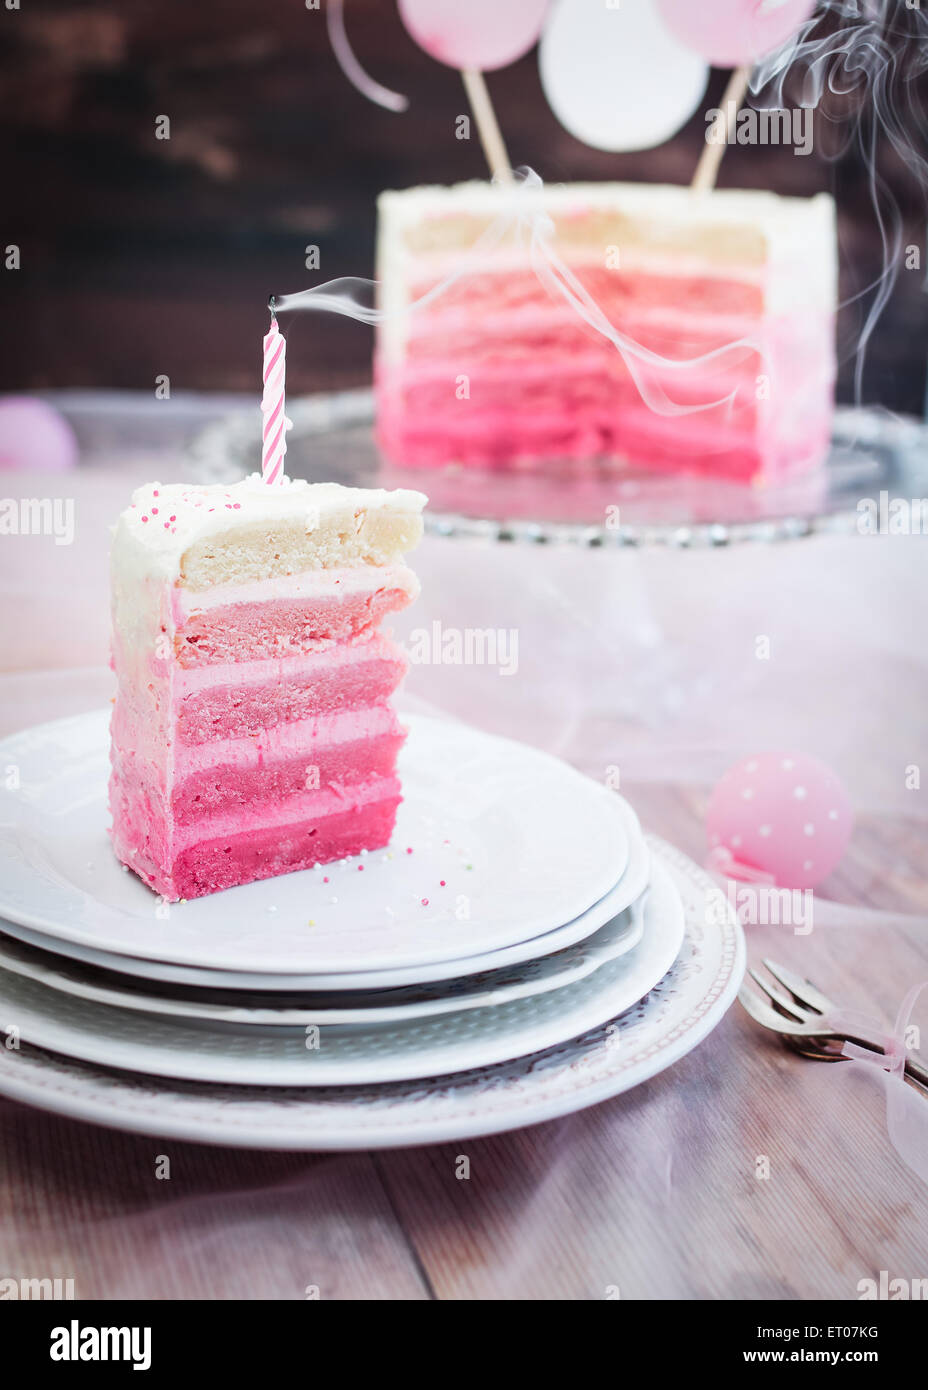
(252, 732)
(724, 301)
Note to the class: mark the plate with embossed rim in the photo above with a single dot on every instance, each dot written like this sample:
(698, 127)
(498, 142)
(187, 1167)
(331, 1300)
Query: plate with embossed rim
(495, 843)
(627, 890)
(353, 1054)
(676, 1015)
(490, 987)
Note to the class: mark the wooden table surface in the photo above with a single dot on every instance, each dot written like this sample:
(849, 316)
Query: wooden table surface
(576, 1208)
(655, 1194)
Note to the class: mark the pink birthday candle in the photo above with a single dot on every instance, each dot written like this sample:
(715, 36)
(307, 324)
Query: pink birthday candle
(274, 434)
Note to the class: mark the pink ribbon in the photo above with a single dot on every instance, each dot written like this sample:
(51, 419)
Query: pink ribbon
(893, 1044)
(720, 860)
(344, 53)
(906, 1106)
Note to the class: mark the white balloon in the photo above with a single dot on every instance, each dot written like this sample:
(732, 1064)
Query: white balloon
(614, 74)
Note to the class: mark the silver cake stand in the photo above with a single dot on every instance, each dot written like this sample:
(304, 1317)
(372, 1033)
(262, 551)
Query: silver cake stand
(332, 439)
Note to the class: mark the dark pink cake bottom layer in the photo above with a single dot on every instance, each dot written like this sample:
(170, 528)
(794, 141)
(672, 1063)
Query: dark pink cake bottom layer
(638, 437)
(264, 852)
(214, 864)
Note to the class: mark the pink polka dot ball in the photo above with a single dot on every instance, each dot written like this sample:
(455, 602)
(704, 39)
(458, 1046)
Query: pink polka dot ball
(785, 814)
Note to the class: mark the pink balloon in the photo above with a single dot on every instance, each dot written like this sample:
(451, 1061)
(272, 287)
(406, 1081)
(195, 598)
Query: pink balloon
(728, 33)
(484, 34)
(34, 437)
(786, 814)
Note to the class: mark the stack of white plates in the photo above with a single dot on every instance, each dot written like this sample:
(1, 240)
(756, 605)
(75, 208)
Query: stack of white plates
(520, 951)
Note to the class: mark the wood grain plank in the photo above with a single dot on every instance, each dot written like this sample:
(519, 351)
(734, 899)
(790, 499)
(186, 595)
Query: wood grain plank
(85, 1203)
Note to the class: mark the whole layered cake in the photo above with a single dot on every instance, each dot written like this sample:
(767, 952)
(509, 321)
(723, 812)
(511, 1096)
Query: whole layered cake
(252, 732)
(723, 303)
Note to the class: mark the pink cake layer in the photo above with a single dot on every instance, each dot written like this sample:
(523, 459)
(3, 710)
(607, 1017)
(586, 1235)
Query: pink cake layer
(282, 627)
(188, 794)
(545, 385)
(281, 743)
(714, 355)
(330, 767)
(504, 326)
(616, 291)
(543, 403)
(592, 382)
(291, 758)
(252, 843)
(498, 441)
(246, 698)
(217, 864)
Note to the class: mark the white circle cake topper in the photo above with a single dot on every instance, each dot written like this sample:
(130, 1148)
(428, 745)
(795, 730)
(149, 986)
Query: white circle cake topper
(615, 76)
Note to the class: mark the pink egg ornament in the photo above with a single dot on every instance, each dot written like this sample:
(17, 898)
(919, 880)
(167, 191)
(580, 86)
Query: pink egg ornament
(729, 33)
(782, 815)
(480, 34)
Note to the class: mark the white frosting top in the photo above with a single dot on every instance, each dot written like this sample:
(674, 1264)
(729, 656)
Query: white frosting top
(165, 519)
(678, 202)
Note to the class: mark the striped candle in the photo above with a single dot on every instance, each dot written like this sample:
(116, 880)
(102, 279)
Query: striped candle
(274, 434)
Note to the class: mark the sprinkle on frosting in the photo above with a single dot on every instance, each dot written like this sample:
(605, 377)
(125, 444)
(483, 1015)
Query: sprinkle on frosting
(197, 513)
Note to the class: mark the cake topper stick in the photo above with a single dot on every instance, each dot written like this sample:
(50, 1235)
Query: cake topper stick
(475, 38)
(487, 125)
(717, 135)
(276, 424)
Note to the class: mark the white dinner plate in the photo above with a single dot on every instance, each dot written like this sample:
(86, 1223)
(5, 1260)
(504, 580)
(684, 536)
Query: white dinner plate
(495, 843)
(490, 987)
(329, 1055)
(603, 1062)
(629, 887)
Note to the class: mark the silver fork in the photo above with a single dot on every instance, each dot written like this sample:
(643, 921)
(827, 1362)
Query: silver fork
(800, 1013)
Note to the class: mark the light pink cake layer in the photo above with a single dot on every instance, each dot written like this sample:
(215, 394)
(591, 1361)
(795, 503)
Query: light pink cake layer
(307, 614)
(283, 742)
(618, 294)
(290, 759)
(523, 306)
(246, 698)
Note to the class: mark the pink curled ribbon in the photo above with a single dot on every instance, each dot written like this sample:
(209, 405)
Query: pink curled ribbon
(906, 1109)
(720, 860)
(894, 1045)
